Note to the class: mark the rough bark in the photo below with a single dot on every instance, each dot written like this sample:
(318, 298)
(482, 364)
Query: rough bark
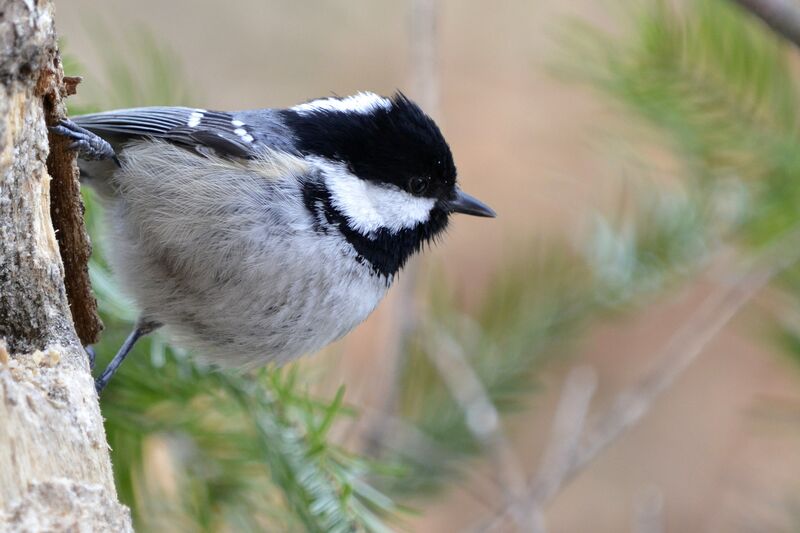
(66, 210)
(55, 471)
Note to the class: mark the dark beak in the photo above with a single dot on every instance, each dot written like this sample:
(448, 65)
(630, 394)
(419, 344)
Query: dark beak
(469, 205)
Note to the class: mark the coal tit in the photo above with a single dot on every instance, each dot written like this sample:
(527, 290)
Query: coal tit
(258, 236)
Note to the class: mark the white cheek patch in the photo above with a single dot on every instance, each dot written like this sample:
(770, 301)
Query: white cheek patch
(369, 207)
(358, 103)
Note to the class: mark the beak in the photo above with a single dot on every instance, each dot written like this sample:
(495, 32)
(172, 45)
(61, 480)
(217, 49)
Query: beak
(469, 205)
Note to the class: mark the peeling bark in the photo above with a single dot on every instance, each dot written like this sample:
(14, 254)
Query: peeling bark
(66, 207)
(55, 471)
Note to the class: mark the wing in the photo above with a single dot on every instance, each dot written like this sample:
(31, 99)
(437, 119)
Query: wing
(196, 129)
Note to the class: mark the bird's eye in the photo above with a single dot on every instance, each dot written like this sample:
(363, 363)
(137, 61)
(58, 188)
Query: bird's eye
(418, 185)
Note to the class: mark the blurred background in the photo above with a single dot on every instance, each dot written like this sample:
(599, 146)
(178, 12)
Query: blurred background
(617, 351)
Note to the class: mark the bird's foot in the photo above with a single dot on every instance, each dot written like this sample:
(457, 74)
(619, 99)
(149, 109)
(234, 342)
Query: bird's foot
(89, 146)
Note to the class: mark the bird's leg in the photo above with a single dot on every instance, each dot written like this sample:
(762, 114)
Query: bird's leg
(90, 353)
(142, 328)
(89, 146)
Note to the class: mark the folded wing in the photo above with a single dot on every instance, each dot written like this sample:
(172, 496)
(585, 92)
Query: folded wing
(203, 131)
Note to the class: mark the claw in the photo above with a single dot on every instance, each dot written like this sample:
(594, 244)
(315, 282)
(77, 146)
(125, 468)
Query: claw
(61, 130)
(80, 146)
(88, 145)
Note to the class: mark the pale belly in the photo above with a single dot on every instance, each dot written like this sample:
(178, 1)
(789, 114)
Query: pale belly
(269, 308)
(239, 275)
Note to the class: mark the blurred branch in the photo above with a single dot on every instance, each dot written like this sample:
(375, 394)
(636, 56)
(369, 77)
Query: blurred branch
(685, 345)
(408, 441)
(424, 82)
(424, 55)
(565, 434)
(648, 512)
(483, 422)
(783, 16)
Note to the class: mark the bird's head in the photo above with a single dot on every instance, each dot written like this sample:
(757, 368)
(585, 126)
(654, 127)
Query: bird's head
(388, 176)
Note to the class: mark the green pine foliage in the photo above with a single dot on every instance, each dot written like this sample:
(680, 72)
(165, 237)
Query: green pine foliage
(719, 88)
(722, 90)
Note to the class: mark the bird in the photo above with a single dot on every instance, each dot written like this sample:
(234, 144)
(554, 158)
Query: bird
(258, 236)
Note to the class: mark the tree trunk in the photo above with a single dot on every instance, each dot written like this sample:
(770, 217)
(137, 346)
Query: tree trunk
(55, 471)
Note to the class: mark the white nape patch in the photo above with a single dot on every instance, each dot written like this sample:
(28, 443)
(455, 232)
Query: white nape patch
(369, 206)
(237, 123)
(195, 118)
(362, 102)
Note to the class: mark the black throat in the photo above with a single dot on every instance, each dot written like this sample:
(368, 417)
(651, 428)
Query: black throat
(383, 251)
